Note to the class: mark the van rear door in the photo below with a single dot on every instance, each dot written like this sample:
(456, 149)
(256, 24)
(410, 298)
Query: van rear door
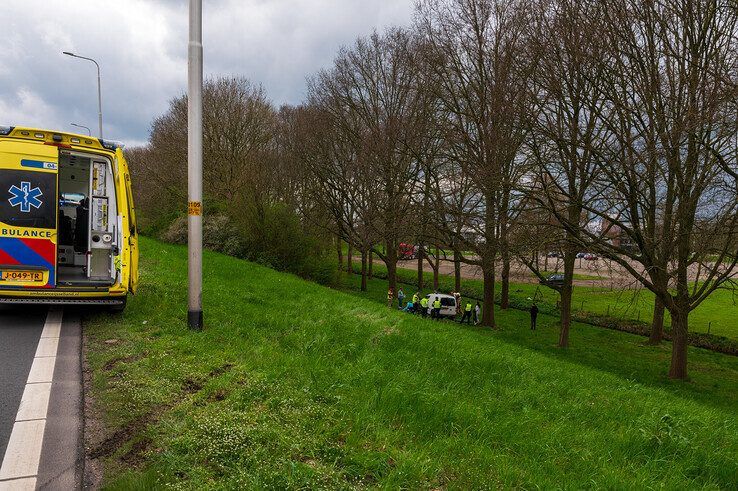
(28, 214)
(132, 225)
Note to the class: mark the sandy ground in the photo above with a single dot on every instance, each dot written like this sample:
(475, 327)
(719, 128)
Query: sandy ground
(603, 272)
(606, 274)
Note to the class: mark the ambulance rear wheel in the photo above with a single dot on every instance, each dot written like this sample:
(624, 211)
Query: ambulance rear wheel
(118, 308)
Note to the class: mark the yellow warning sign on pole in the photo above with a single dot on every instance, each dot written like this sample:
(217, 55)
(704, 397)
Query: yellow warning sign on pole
(194, 208)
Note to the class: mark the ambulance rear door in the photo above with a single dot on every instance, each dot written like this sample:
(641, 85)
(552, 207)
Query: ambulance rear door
(28, 214)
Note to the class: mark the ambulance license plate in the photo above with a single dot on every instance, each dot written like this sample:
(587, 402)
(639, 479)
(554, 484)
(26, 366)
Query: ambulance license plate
(17, 276)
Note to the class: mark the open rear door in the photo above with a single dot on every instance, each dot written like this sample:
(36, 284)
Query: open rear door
(133, 233)
(29, 206)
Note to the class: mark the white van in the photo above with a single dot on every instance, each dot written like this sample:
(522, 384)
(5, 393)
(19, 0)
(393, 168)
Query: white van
(448, 304)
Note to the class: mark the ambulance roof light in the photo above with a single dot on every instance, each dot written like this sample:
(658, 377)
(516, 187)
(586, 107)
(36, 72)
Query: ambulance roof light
(110, 144)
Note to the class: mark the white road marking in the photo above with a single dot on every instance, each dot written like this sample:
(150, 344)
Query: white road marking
(52, 328)
(23, 484)
(34, 402)
(20, 464)
(42, 370)
(47, 347)
(24, 449)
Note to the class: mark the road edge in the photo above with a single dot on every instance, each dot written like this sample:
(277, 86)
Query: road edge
(61, 464)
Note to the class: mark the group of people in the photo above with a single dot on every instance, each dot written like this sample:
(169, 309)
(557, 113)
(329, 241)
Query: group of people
(420, 304)
(470, 313)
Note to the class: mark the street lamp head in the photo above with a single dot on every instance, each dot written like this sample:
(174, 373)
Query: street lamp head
(99, 96)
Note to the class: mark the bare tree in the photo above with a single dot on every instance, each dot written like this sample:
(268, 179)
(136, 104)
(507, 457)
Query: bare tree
(239, 147)
(669, 207)
(566, 93)
(372, 98)
(476, 50)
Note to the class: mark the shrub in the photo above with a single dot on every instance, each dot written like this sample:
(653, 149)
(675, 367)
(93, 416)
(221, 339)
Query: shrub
(176, 233)
(274, 237)
(218, 232)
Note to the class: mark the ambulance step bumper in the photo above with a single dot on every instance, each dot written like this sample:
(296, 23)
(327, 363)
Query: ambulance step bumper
(62, 301)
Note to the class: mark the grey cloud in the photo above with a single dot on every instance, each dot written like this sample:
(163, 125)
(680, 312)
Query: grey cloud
(142, 47)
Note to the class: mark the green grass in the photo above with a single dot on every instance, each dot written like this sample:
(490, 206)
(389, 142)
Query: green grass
(716, 315)
(293, 385)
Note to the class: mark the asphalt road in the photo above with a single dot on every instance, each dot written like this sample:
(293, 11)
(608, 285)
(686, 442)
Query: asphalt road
(40, 364)
(20, 330)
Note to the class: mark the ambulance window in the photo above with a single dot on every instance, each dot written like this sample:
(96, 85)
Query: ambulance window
(71, 199)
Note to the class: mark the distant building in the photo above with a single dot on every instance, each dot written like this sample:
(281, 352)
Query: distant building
(616, 235)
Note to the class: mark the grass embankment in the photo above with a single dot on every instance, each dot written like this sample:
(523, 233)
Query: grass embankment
(293, 385)
(716, 315)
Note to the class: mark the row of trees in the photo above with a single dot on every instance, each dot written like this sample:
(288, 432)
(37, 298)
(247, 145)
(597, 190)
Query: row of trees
(500, 130)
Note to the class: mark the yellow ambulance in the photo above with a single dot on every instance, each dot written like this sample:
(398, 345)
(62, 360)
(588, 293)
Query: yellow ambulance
(67, 222)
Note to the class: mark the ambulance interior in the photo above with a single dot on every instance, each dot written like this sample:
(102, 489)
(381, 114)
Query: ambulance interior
(87, 226)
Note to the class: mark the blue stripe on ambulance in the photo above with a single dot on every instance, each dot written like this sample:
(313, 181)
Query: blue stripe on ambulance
(38, 164)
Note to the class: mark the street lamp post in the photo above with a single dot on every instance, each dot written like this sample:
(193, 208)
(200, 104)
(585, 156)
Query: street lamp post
(194, 167)
(89, 133)
(99, 92)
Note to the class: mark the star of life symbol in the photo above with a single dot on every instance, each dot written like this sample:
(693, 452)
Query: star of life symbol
(25, 197)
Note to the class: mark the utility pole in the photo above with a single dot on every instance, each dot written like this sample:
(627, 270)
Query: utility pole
(194, 167)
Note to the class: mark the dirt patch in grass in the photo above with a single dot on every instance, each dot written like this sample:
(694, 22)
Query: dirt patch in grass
(136, 455)
(218, 395)
(133, 429)
(113, 362)
(216, 372)
(112, 443)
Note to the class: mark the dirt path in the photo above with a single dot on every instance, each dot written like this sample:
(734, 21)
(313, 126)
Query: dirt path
(601, 273)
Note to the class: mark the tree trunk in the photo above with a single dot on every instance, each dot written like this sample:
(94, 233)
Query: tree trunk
(339, 251)
(392, 266)
(679, 310)
(457, 271)
(349, 262)
(371, 264)
(488, 307)
(421, 277)
(436, 267)
(567, 291)
(679, 327)
(657, 327)
(505, 291)
(545, 262)
(363, 271)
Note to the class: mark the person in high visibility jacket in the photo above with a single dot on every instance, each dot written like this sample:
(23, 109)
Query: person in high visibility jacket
(436, 312)
(424, 306)
(467, 313)
(416, 300)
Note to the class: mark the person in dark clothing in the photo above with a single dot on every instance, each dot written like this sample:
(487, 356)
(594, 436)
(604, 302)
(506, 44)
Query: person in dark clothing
(533, 316)
(81, 230)
(436, 312)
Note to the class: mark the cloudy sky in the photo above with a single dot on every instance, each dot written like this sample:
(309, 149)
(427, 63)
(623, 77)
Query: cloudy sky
(141, 46)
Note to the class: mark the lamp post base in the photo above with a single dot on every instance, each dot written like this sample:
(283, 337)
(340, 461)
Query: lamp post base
(194, 320)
